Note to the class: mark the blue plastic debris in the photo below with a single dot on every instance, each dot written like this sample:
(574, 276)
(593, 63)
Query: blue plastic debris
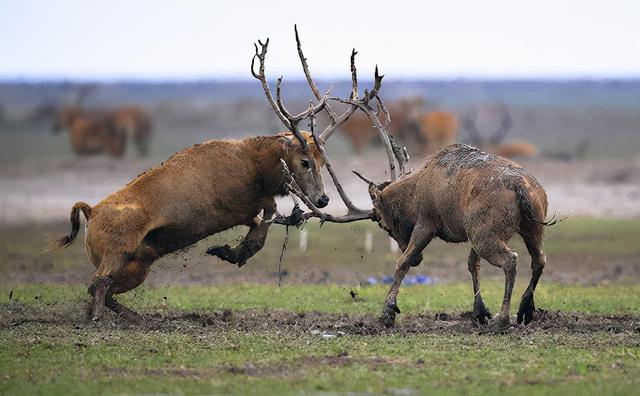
(408, 281)
(372, 280)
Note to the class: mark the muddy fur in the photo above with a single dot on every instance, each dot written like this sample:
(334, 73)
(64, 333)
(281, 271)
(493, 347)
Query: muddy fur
(463, 194)
(200, 191)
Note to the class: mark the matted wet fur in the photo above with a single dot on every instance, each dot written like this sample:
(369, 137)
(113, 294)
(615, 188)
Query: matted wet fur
(463, 194)
(200, 191)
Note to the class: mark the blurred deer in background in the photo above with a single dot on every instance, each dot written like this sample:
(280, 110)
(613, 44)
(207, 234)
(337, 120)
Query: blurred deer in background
(404, 115)
(90, 132)
(136, 124)
(103, 131)
(493, 144)
(423, 131)
(438, 129)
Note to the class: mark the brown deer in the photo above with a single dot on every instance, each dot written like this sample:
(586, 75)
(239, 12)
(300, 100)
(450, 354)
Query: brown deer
(136, 124)
(360, 132)
(493, 144)
(103, 131)
(463, 194)
(211, 187)
(438, 129)
(424, 131)
(91, 132)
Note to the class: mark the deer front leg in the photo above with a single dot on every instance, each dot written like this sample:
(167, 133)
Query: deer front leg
(251, 244)
(420, 238)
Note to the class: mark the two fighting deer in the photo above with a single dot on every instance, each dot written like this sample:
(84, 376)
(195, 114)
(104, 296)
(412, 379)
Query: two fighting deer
(461, 194)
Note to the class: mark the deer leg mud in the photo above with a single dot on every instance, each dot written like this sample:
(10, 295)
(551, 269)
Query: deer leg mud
(98, 289)
(250, 245)
(132, 276)
(110, 269)
(411, 257)
(480, 312)
(497, 253)
(538, 261)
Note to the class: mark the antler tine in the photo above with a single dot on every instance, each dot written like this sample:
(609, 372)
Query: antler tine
(307, 73)
(261, 55)
(376, 85)
(354, 75)
(385, 111)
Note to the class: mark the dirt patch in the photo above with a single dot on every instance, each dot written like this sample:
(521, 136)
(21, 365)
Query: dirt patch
(15, 315)
(266, 369)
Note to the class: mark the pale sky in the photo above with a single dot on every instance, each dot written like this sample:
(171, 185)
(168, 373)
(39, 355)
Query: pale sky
(119, 39)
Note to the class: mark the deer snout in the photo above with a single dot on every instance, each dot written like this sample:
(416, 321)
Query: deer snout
(323, 201)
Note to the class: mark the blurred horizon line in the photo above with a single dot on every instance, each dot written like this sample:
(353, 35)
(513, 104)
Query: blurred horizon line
(16, 80)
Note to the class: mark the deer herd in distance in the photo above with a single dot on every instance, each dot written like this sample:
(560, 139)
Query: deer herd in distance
(414, 121)
(461, 194)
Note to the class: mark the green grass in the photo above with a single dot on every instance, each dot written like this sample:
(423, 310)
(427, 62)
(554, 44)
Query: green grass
(55, 357)
(128, 361)
(42, 352)
(603, 299)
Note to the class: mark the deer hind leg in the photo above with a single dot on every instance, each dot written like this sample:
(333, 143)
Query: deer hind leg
(496, 252)
(480, 312)
(250, 245)
(132, 275)
(411, 257)
(101, 281)
(533, 242)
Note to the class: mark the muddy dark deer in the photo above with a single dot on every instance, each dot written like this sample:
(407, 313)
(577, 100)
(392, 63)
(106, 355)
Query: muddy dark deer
(211, 187)
(463, 194)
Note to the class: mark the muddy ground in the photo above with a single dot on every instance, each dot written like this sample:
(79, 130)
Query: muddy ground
(331, 324)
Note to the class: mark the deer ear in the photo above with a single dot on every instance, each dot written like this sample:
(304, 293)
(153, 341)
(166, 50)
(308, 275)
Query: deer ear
(286, 143)
(374, 193)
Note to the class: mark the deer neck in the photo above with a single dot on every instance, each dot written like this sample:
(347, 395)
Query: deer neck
(397, 204)
(266, 154)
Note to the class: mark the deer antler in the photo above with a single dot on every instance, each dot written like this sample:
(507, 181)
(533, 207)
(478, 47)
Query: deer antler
(289, 120)
(395, 154)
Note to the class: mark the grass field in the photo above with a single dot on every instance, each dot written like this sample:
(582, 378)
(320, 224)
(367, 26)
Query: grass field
(208, 331)
(263, 339)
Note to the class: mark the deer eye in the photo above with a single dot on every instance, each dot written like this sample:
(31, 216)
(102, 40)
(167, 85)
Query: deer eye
(305, 163)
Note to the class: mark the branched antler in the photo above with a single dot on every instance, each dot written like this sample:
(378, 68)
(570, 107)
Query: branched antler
(290, 121)
(396, 154)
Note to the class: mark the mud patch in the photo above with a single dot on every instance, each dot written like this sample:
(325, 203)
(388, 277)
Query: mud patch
(16, 315)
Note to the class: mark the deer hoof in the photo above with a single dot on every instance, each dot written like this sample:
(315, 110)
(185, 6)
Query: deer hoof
(97, 313)
(526, 310)
(501, 321)
(389, 314)
(480, 313)
(223, 252)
